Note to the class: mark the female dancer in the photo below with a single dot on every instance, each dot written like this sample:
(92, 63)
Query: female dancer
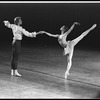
(69, 45)
(18, 32)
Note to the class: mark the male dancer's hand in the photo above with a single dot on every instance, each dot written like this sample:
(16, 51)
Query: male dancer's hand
(33, 34)
(6, 22)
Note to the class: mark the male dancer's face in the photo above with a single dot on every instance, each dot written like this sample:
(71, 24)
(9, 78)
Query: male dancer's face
(20, 22)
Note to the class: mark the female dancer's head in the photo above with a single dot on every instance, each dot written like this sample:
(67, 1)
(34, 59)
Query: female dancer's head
(17, 20)
(63, 29)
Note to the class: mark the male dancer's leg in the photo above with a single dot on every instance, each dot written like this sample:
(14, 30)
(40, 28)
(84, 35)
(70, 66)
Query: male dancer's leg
(15, 55)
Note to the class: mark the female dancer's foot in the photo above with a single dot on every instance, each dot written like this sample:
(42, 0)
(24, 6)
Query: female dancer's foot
(93, 26)
(66, 74)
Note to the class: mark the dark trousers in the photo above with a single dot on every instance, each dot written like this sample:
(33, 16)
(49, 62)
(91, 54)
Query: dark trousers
(16, 48)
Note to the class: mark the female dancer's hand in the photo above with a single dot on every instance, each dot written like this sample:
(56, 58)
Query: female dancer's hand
(41, 32)
(77, 23)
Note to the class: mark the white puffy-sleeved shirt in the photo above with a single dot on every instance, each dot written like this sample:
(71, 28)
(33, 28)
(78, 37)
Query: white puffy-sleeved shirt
(18, 31)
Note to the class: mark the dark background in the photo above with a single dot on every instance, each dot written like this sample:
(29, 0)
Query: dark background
(50, 17)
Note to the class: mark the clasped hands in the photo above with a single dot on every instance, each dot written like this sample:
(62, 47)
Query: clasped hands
(36, 33)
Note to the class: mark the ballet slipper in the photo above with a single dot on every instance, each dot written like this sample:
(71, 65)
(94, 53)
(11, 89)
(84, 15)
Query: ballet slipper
(17, 74)
(12, 72)
(66, 74)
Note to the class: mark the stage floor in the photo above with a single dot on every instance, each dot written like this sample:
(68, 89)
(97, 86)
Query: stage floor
(43, 70)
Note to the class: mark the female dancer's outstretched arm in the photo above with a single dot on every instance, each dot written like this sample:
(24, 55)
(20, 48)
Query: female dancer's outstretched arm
(49, 34)
(72, 27)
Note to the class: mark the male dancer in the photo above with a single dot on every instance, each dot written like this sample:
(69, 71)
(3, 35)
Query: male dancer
(18, 32)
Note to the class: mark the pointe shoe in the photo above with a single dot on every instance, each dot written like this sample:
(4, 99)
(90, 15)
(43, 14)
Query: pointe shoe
(66, 74)
(93, 26)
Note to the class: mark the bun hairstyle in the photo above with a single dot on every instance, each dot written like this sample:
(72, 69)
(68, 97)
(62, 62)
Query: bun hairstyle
(16, 20)
(63, 28)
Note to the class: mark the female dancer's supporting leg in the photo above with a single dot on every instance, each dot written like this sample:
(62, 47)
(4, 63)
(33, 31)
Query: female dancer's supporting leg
(73, 43)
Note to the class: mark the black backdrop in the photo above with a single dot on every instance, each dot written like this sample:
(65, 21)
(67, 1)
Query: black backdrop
(50, 17)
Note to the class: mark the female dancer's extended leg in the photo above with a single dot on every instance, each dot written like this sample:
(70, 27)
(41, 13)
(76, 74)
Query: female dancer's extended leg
(75, 41)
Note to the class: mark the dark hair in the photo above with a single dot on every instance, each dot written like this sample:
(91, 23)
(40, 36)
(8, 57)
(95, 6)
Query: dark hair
(16, 20)
(64, 28)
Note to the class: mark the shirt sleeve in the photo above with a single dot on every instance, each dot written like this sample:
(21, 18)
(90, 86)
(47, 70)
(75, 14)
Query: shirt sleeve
(7, 23)
(26, 33)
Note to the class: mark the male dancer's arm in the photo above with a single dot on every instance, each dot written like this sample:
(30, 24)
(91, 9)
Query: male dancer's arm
(7, 23)
(28, 34)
